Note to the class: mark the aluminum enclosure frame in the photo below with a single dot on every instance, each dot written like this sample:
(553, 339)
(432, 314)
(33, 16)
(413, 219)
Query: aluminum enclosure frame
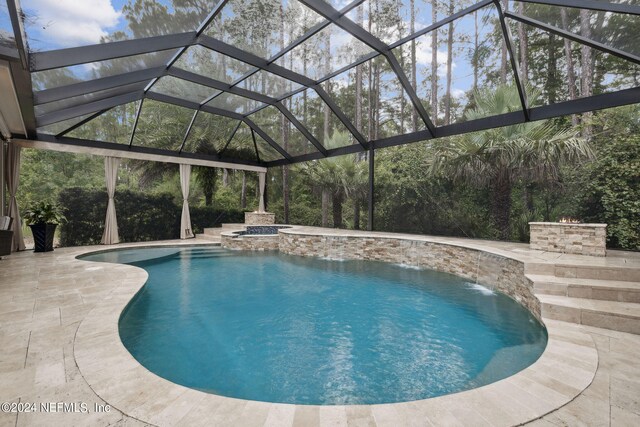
(23, 63)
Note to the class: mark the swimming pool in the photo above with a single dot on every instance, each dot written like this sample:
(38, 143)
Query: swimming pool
(280, 328)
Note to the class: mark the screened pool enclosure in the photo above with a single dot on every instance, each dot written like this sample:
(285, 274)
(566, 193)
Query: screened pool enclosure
(254, 84)
(273, 82)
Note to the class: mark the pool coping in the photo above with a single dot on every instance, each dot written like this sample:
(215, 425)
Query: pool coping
(565, 368)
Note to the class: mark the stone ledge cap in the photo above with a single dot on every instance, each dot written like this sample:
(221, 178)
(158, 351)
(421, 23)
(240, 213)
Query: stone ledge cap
(571, 224)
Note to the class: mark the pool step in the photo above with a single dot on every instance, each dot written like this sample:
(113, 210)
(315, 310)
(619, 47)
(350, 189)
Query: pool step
(607, 290)
(215, 231)
(205, 256)
(205, 253)
(614, 315)
(208, 237)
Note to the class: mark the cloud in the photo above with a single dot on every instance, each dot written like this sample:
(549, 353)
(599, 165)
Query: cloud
(71, 22)
(423, 57)
(458, 93)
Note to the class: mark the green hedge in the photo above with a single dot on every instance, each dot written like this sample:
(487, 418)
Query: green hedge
(141, 217)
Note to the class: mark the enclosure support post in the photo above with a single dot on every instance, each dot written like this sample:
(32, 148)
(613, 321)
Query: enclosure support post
(2, 181)
(371, 185)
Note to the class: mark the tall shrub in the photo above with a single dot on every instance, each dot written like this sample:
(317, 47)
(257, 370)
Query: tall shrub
(141, 217)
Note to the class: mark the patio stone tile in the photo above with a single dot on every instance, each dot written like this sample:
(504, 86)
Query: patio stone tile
(8, 419)
(130, 422)
(541, 388)
(461, 410)
(359, 416)
(435, 414)
(178, 408)
(627, 347)
(10, 318)
(622, 417)
(509, 404)
(16, 384)
(542, 422)
(622, 365)
(12, 360)
(214, 411)
(12, 306)
(600, 387)
(280, 415)
(555, 379)
(254, 414)
(491, 409)
(389, 415)
(333, 416)
(524, 397)
(583, 411)
(306, 416)
(625, 393)
(163, 395)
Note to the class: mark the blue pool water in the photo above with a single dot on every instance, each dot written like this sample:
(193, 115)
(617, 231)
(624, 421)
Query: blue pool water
(278, 328)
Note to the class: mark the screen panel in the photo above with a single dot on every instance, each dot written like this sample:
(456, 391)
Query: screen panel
(262, 27)
(161, 125)
(209, 132)
(63, 24)
(183, 89)
(114, 125)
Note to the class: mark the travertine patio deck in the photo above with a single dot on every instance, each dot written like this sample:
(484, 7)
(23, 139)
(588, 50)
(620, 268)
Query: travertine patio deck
(59, 343)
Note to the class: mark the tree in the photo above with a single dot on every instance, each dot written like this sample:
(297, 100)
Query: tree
(570, 72)
(337, 177)
(503, 51)
(206, 176)
(496, 158)
(447, 95)
(434, 64)
(609, 188)
(284, 124)
(414, 73)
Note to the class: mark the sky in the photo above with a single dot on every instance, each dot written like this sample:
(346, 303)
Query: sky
(55, 24)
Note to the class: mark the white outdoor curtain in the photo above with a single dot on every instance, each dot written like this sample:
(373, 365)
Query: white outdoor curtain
(110, 235)
(12, 176)
(261, 180)
(185, 221)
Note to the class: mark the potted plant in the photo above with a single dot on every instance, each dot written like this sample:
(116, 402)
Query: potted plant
(43, 218)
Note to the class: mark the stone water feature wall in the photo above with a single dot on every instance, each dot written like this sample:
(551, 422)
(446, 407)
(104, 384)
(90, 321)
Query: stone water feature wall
(568, 238)
(250, 242)
(491, 270)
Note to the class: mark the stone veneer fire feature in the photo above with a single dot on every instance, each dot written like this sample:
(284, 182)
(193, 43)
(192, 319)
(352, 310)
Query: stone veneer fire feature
(569, 238)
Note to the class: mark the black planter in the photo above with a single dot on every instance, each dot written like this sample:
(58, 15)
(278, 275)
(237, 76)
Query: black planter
(43, 236)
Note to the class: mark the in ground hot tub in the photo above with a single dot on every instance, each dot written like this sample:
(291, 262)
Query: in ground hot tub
(261, 230)
(254, 237)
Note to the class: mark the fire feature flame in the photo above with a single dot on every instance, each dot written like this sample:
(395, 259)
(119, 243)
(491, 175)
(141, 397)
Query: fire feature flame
(569, 220)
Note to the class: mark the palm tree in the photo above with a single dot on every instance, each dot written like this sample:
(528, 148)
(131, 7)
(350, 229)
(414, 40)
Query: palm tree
(206, 176)
(337, 177)
(496, 158)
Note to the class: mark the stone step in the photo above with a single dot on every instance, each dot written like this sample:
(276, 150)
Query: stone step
(588, 268)
(598, 272)
(608, 290)
(614, 315)
(215, 231)
(206, 256)
(208, 237)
